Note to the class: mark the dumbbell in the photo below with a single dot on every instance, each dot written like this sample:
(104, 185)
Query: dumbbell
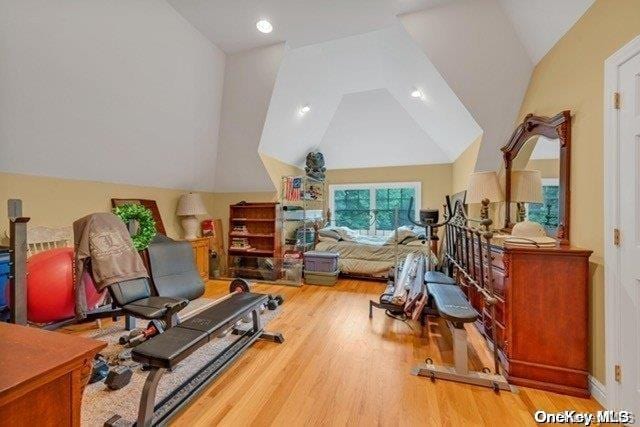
(99, 370)
(118, 377)
(125, 339)
(274, 301)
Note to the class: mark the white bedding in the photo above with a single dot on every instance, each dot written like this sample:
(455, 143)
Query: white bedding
(369, 256)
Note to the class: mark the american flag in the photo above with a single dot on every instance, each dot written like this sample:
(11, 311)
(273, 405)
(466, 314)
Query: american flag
(293, 188)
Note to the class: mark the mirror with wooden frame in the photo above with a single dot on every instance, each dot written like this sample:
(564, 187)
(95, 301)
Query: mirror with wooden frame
(540, 146)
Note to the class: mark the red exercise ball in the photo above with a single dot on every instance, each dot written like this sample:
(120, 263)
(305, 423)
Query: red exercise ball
(50, 286)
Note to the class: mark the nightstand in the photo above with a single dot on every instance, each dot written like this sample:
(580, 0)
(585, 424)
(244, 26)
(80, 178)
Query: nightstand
(201, 255)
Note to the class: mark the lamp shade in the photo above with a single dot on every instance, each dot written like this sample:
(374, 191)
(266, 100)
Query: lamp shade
(190, 204)
(484, 185)
(526, 186)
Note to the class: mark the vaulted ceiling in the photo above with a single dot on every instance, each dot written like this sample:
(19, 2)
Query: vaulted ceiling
(355, 63)
(231, 24)
(361, 112)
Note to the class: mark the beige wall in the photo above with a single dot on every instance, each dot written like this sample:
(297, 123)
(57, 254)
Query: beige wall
(58, 202)
(277, 169)
(435, 179)
(464, 165)
(571, 76)
(549, 168)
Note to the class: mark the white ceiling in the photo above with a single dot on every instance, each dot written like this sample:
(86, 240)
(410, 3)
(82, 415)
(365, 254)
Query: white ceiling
(541, 23)
(381, 67)
(477, 51)
(230, 24)
(372, 126)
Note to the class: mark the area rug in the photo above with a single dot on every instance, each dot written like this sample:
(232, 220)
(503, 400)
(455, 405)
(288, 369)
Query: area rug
(99, 403)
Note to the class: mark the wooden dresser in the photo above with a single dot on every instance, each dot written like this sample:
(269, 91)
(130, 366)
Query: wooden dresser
(201, 255)
(542, 316)
(43, 375)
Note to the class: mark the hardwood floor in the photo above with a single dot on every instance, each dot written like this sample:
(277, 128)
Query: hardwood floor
(337, 367)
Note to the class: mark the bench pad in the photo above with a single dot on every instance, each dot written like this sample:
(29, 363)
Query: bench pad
(451, 303)
(175, 344)
(438, 277)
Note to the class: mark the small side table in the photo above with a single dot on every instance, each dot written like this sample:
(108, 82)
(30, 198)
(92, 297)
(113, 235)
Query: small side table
(201, 255)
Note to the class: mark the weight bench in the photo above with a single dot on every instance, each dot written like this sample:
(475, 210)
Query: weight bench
(453, 306)
(164, 352)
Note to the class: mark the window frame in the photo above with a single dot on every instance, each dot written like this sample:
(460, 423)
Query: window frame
(372, 187)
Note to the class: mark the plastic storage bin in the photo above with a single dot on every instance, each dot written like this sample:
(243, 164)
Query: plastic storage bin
(317, 261)
(321, 278)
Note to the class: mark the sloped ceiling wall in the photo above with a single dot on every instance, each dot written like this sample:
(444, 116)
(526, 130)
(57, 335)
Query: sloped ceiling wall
(541, 23)
(476, 49)
(249, 80)
(124, 92)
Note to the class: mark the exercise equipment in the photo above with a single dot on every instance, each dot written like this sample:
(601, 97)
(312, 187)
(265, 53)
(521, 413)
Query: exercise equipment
(464, 244)
(405, 295)
(50, 295)
(161, 321)
(50, 291)
(99, 370)
(164, 351)
(118, 377)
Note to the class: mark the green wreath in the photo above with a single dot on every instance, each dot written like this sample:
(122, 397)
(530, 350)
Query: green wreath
(146, 224)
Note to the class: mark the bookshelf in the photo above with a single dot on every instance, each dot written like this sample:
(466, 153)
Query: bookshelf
(253, 241)
(254, 229)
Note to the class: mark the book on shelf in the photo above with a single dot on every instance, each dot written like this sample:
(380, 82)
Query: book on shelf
(239, 229)
(240, 243)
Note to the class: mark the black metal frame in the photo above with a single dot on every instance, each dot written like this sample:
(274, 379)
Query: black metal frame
(151, 414)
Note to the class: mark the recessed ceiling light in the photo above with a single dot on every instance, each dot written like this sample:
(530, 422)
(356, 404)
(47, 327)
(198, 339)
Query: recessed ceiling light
(264, 26)
(304, 110)
(416, 93)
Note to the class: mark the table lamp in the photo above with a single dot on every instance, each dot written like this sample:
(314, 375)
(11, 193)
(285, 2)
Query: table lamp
(484, 187)
(189, 206)
(526, 187)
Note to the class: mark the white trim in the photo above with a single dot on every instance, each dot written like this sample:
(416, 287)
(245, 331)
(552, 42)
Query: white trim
(416, 185)
(598, 391)
(611, 216)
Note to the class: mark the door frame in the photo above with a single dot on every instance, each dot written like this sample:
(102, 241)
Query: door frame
(612, 215)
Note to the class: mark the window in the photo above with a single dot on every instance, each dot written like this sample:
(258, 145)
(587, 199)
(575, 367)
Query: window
(370, 208)
(546, 213)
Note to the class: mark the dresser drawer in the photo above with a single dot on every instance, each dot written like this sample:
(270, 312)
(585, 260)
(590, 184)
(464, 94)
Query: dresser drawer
(499, 285)
(497, 259)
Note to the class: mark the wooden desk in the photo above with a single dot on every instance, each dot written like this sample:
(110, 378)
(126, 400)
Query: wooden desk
(43, 375)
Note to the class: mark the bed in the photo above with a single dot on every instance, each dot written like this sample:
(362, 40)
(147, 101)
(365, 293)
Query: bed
(369, 256)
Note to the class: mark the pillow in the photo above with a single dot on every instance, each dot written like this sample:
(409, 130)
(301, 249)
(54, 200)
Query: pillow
(346, 233)
(329, 232)
(403, 234)
(416, 242)
(338, 233)
(327, 239)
